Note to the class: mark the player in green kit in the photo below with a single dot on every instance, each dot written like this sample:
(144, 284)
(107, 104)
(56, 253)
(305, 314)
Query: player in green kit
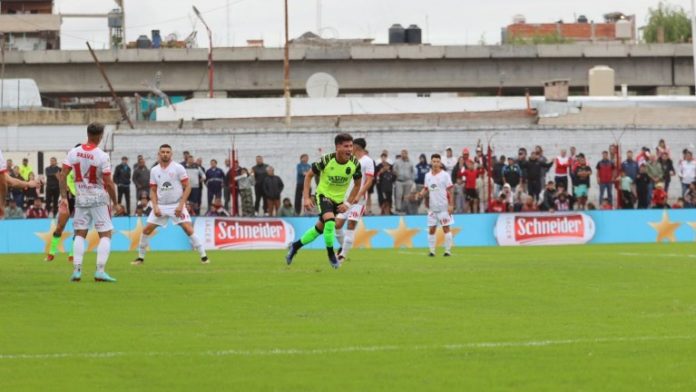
(335, 172)
(63, 217)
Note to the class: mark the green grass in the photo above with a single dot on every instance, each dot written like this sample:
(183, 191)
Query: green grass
(585, 318)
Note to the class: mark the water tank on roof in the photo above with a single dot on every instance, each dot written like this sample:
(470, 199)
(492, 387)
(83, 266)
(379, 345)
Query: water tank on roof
(519, 19)
(414, 35)
(624, 29)
(143, 42)
(582, 19)
(156, 39)
(602, 81)
(397, 34)
(115, 18)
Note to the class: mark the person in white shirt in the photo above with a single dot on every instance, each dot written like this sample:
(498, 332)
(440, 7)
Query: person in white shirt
(449, 161)
(170, 189)
(687, 171)
(95, 198)
(438, 185)
(357, 206)
(6, 180)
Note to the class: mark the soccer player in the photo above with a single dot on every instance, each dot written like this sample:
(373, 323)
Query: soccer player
(63, 217)
(94, 188)
(440, 204)
(357, 209)
(170, 190)
(6, 180)
(335, 173)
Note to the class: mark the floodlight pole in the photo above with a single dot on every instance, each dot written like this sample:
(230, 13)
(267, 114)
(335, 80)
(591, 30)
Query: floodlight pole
(286, 69)
(210, 52)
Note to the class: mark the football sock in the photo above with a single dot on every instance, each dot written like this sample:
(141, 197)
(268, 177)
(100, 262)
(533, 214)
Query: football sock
(448, 242)
(329, 233)
(103, 250)
(55, 241)
(348, 242)
(142, 246)
(340, 236)
(79, 249)
(309, 236)
(196, 243)
(431, 242)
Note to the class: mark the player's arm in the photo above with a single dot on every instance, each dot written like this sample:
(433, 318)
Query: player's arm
(450, 198)
(307, 201)
(17, 183)
(184, 198)
(353, 196)
(63, 182)
(363, 190)
(110, 188)
(153, 199)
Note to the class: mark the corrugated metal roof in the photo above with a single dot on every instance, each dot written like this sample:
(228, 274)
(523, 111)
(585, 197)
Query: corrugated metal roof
(29, 23)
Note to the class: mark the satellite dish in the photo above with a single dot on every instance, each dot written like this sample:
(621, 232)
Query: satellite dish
(322, 85)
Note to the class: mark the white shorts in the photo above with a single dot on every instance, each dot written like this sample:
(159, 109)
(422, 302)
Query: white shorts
(354, 213)
(99, 216)
(442, 218)
(168, 213)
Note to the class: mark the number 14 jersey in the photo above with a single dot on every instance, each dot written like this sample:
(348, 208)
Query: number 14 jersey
(90, 164)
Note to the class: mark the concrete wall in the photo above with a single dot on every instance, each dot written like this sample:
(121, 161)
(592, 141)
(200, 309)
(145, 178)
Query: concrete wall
(282, 149)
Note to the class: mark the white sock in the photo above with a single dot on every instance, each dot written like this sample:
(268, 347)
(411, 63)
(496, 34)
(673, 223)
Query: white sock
(78, 253)
(340, 237)
(196, 244)
(103, 250)
(448, 242)
(431, 242)
(348, 242)
(143, 245)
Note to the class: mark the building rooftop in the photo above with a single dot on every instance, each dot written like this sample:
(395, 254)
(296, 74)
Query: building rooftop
(29, 23)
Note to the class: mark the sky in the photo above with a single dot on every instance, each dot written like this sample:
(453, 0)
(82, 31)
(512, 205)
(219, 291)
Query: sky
(444, 22)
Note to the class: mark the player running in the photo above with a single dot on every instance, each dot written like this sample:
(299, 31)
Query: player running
(357, 209)
(94, 188)
(170, 191)
(6, 180)
(64, 212)
(440, 204)
(335, 172)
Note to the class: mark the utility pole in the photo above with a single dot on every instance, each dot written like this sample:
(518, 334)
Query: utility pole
(286, 69)
(211, 72)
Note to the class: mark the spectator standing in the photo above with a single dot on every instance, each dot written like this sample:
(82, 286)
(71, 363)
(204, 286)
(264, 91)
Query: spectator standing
(630, 166)
(272, 188)
(387, 178)
(36, 211)
(627, 193)
(17, 194)
(687, 171)
(405, 180)
(141, 178)
(461, 165)
(581, 182)
(52, 186)
(690, 196)
(286, 209)
(186, 158)
(302, 169)
(260, 173)
(643, 182)
(470, 175)
(522, 163)
(667, 170)
(544, 161)
(561, 169)
(512, 174)
(122, 179)
(196, 178)
(497, 174)
(449, 161)
(214, 179)
(245, 183)
(606, 174)
(662, 149)
(422, 168)
(25, 170)
(30, 194)
(535, 175)
(655, 172)
(13, 211)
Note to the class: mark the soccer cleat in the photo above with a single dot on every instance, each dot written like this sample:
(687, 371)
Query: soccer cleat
(205, 260)
(76, 276)
(447, 254)
(341, 258)
(431, 254)
(138, 261)
(103, 277)
(291, 254)
(334, 262)
(49, 257)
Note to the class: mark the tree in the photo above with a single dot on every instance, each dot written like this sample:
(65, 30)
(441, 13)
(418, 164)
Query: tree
(670, 21)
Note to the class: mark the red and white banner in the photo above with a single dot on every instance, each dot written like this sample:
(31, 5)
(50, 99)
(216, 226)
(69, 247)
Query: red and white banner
(240, 233)
(544, 229)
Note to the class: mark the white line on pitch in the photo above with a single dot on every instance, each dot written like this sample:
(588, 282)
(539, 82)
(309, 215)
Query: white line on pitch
(352, 349)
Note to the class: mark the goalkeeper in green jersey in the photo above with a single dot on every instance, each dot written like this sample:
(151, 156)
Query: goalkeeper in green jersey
(335, 172)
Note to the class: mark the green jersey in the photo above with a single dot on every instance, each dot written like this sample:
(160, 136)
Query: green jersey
(70, 180)
(335, 177)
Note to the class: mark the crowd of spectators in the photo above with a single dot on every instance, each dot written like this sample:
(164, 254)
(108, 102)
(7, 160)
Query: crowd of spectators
(529, 181)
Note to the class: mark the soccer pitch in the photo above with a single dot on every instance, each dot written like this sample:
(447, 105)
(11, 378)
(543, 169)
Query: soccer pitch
(618, 318)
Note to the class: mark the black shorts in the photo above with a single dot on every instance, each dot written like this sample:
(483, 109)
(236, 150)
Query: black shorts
(471, 194)
(326, 205)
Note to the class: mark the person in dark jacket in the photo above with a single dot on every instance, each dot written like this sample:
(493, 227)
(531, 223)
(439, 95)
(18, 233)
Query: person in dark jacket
(512, 174)
(422, 168)
(52, 187)
(260, 171)
(667, 168)
(643, 182)
(272, 189)
(214, 179)
(387, 178)
(122, 178)
(548, 199)
(497, 174)
(141, 178)
(536, 170)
